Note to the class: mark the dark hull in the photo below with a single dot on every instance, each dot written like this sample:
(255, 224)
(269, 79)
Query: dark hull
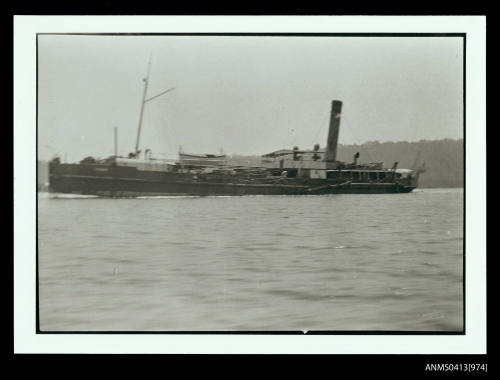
(128, 182)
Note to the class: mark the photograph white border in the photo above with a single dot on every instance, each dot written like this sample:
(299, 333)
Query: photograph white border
(25, 199)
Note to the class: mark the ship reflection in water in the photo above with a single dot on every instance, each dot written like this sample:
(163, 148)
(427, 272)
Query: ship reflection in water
(335, 262)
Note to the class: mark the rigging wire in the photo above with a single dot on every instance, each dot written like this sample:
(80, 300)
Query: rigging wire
(349, 129)
(161, 123)
(323, 120)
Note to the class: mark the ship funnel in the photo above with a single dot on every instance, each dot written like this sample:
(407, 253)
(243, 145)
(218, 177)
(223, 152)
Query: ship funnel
(333, 132)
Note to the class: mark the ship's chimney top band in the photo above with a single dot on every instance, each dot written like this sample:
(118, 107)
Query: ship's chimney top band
(336, 106)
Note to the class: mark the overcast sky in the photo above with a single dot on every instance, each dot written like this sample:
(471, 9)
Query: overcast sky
(246, 95)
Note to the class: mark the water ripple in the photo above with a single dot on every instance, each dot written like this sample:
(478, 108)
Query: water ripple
(209, 263)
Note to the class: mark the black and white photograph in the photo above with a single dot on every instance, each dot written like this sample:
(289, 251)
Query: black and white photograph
(251, 183)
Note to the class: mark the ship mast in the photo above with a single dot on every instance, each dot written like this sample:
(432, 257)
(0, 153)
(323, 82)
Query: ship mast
(116, 142)
(145, 80)
(144, 101)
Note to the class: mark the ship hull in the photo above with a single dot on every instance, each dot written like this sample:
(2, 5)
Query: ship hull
(128, 182)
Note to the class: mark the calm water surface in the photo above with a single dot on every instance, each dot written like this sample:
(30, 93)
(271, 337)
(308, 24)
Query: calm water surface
(338, 262)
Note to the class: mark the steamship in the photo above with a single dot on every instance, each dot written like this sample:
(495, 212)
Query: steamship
(283, 172)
